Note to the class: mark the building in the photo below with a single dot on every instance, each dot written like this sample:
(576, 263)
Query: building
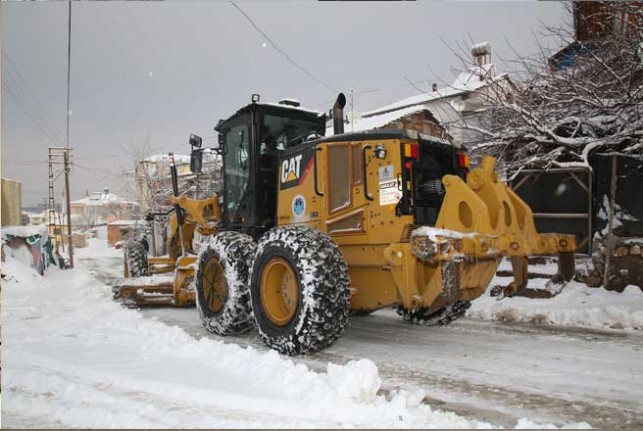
(11, 203)
(453, 111)
(102, 207)
(120, 230)
(594, 22)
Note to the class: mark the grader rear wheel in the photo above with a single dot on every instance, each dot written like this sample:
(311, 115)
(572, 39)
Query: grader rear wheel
(222, 283)
(279, 291)
(299, 294)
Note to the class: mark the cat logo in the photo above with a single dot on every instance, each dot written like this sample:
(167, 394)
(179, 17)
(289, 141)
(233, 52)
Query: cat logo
(291, 169)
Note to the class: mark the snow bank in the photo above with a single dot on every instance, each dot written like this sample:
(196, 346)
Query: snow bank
(576, 305)
(25, 231)
(74, 358)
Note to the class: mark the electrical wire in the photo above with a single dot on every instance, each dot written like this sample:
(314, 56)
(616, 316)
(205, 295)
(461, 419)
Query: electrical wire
(16, 95)
(281, 51)
(26, 90)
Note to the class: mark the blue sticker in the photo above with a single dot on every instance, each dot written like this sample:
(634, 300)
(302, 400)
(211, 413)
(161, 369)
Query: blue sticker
(298, 205)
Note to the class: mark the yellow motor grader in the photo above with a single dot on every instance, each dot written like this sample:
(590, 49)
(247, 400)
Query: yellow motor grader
(168, 280)
(312, 227)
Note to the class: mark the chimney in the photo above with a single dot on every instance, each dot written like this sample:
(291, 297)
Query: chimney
(435, 87)
(481, 53)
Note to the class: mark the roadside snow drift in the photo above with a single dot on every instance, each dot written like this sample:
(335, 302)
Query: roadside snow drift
(74, 358)
(576, 305)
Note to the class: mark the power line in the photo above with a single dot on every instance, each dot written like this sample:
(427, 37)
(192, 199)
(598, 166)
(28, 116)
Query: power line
(24, 87)
(282, 52)
(377, 90)
(16, 95)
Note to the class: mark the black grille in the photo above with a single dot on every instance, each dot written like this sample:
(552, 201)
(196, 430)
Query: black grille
(428, 190)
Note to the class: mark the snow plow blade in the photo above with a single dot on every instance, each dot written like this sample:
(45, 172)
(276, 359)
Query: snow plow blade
(483, 220)
(155, 290)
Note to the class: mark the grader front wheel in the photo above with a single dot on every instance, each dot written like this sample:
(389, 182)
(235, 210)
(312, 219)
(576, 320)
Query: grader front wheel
(213, 282)
(223, 297)
(135, 253)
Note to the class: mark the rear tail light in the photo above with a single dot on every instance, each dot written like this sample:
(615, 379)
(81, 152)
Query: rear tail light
(415, 152)
(463, 160)
(411, 151)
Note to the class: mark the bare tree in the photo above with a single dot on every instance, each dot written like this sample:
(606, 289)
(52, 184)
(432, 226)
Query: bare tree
(575, 102)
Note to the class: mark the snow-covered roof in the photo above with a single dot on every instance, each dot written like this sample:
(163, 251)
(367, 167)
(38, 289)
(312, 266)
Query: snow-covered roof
(24, 231)
(465, 82)
(414, 100)
(298, 108)
(377, 121)
(102, 198)
(125, 222)
(476, 77)
(179, 159)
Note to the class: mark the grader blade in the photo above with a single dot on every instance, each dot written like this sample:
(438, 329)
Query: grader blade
(145, 291)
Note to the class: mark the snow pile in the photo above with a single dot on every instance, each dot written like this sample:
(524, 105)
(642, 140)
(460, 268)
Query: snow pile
(358, 380)
(24, 231)
(73, 358)
(576, 305)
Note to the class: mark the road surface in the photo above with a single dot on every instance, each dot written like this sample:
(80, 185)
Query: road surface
(492, 371)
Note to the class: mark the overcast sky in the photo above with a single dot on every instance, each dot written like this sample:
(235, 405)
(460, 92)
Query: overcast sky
(174, 68)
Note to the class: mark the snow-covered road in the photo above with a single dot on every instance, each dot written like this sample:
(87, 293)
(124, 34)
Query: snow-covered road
(487, 372)
(493, 371)
(489, 369)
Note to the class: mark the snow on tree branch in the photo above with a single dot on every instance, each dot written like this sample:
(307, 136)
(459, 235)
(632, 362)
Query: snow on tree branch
(587, 98)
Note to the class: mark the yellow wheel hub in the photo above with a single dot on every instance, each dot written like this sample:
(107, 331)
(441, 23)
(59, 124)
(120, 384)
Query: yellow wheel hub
(279, 291)
(215, 287)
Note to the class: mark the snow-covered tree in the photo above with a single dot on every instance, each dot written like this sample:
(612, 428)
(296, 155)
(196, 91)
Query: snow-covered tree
(585, 98)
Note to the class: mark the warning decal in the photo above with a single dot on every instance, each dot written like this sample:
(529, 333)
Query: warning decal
(389, 193)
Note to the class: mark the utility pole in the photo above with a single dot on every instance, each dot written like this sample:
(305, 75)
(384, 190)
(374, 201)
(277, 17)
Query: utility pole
(55, 156)
(68, 203)
(67, 168)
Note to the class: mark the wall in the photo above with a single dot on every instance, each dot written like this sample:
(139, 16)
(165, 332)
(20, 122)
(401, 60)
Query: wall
(11, 203)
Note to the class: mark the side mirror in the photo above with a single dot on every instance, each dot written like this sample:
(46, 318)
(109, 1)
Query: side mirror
(195, 141)
(196, 161)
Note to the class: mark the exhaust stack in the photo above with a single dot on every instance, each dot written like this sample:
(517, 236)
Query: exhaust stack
(338, 114)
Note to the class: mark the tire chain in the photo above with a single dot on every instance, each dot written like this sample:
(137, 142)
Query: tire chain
(236, 315)
(441, 317)
(136, 257)
(325, 318)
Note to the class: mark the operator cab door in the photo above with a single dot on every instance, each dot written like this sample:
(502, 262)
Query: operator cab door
(346, 202)
(238, 173)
